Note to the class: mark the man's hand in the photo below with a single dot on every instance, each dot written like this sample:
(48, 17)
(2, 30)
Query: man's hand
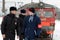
(3, 35)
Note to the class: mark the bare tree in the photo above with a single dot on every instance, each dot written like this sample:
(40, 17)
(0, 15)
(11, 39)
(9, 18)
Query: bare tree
(39, 0)
(3, 6)
(31, 1)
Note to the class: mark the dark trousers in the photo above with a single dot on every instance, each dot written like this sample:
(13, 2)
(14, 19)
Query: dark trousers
(29, 38)
(9, 37)
(21, 37)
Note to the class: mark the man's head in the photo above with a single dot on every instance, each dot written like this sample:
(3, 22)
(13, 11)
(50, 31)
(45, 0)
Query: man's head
(23, 11)
(13, 10)
(31, 11)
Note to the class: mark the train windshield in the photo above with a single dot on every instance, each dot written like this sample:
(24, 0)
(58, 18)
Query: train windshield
(45, 14)
(48, 14)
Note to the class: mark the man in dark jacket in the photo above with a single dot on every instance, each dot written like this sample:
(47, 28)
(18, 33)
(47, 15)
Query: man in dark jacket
(22, 16)
(9, 25)
(31, 23)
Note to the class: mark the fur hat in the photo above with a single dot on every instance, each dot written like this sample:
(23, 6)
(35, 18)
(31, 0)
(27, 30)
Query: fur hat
(13, 8)
(32, 10)
(23, 11)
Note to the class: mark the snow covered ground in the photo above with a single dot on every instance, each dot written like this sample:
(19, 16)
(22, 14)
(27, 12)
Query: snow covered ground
(56, 32)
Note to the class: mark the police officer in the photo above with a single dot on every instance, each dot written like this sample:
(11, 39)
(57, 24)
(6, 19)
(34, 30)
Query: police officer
(22, 16)
(9, 25)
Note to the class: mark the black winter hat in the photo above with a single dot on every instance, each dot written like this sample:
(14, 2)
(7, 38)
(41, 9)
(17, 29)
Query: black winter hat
(23, 11)
(32, 10)
(13, 8)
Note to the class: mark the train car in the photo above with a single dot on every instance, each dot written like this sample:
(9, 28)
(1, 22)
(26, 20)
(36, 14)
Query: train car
(47, 16)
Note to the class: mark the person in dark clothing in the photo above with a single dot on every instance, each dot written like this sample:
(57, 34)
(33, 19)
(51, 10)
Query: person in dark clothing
(9, 25)
(30, 24)
(22, 16)
(22, 13)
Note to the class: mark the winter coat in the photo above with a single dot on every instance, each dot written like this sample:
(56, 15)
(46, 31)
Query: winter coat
(10, 24)
(30, 27)
(20, 24)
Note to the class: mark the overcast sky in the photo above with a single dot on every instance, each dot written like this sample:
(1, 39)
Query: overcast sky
(52, 2)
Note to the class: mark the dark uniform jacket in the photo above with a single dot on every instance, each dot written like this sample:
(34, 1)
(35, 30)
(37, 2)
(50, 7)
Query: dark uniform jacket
(22, 16)
(9, 24)
(22, 27)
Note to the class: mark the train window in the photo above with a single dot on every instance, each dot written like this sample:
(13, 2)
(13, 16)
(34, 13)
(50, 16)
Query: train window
(45, 14)
(48, 14)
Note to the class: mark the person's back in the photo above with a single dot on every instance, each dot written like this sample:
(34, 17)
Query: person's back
(22, 16)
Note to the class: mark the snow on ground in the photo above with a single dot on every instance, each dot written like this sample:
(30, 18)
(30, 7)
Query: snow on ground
(56, 32)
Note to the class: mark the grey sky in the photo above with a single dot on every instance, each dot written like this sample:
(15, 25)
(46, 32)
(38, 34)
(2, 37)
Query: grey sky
(52, 2)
